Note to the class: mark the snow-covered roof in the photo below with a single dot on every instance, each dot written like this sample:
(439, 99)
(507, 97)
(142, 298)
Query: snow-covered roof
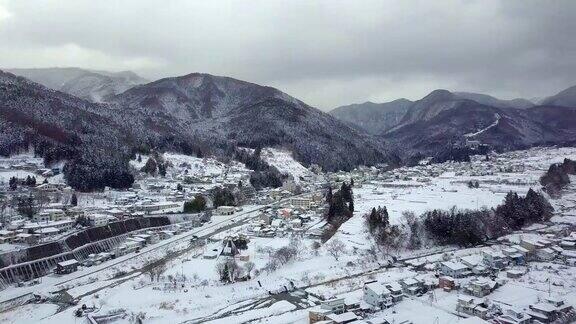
(67, 263)
(455, 266)
(377, 288)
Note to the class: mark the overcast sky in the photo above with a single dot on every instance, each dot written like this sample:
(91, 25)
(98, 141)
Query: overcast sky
(327, 53)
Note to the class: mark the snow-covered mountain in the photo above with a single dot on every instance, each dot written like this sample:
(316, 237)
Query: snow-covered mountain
(488, 100)
(374, 118)
(565, 98)
(96, 86)
(445, 120)
(194, 114)
(215, 112)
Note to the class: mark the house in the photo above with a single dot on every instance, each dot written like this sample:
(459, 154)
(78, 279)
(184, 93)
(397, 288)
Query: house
(480, 287)
(567, 245)
(513, 316)
(377, 295)
(472, 307)
(46, 231)
(494, 259)
(7, 236)
(225, 210)
(412, 286)
(26, 238)
(545, 254)
(98, 219)
(515, 256)
(549, 310)
(533, 244)
(343, 318)
(67, 266)
(569, 257)
(334, 305)
(475, 263)
(395, 291)
(454, 269)
(446, 283)
(126, 247)
(296, 223)
(317, 315)
(285, 213)
(514, 274)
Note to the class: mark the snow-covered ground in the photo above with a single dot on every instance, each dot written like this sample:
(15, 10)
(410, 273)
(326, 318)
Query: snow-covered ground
(201, 297)
(284, 162)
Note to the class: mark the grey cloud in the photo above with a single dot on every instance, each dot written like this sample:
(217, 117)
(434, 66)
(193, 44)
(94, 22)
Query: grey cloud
(327, 53)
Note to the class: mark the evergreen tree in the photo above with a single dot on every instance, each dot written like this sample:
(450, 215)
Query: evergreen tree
(195, 205)
(13, 183)
(74, 200)
(329, 195)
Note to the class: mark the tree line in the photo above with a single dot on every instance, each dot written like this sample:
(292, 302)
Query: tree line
(462, 227)
(340, 208)
(264, 175)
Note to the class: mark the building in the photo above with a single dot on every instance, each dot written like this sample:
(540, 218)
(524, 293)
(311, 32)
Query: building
(7, 236)
(532, 244)
(26, 238)
(395, 291)
(480, 287)
(472, 307)
(475, 262)
(454, 269)
(225, 210)
(49, 214)
(377, 295)
(550, 310)
(514, 274)
(285, 213)
(513, 316)
(62, 225)
(494, 259)
(335, 305)
(343, 318)
(301, 202)
(545, 254)
(412, 286)
(317, 315)
(446, 283)
(514, 255)
(98, 219)
(67, 266)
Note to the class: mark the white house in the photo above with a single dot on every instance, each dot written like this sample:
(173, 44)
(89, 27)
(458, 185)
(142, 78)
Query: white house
(377, 295)
(454, 269)
(225, 210)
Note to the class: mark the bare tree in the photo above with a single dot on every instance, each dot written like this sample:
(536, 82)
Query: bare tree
(249, 266)
(155, 272)
(335, 248)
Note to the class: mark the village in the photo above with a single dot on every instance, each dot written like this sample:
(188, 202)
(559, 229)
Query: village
(263, 255)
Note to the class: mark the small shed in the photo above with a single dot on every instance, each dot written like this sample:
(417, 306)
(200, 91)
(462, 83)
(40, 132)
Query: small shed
(67, 266)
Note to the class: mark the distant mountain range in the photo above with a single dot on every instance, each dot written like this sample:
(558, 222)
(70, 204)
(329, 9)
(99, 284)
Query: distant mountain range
(96, 86)
(443, 120)
(96, 126)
